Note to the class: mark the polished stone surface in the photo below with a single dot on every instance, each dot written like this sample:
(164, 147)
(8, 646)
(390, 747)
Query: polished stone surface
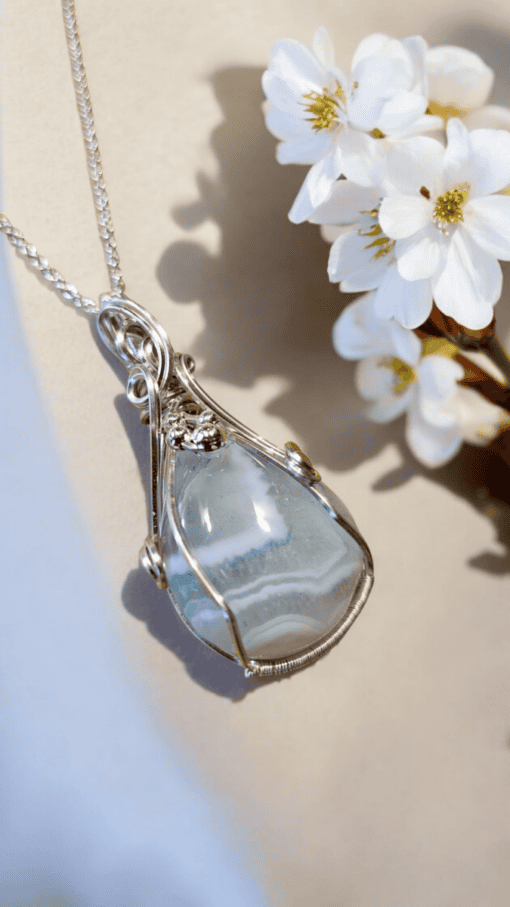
(283, 565)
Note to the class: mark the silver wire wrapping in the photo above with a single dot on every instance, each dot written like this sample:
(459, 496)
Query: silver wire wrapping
(162, 386)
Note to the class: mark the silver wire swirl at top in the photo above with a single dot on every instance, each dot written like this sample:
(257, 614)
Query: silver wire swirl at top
(135, 337)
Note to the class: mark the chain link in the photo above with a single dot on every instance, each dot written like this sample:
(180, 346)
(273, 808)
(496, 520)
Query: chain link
(68, 291)
(95, 167)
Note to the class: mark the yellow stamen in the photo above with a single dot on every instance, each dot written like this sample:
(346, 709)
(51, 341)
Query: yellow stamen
(377, 134)
(449, 206)
(446, 111)
(378, 242)
(383, 244)
(439, 346)
(376, 230)
(324, 108)
(404, 374)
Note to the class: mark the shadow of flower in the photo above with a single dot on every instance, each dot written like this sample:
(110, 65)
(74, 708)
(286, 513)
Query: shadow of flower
(269, 308)
(266, 299)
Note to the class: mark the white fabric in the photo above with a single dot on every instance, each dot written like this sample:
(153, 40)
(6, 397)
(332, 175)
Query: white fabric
(97, 808)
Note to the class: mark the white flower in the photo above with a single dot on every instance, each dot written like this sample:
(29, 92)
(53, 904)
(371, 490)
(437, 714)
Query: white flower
(343, 124)
(362, 256)
(449, 224)
(396, 378)
(459, 84)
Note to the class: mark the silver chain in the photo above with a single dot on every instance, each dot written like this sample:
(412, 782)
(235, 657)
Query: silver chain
(101, 202)
(68, 291)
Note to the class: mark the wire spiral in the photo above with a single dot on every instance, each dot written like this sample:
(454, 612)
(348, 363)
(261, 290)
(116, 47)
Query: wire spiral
(138, 340)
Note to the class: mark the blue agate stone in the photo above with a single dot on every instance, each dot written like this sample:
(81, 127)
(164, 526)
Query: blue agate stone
(285, 568)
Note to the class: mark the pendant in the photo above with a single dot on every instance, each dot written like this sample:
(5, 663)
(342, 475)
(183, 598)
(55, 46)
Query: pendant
(261, 561)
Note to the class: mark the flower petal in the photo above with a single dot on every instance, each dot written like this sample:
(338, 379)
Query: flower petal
(359, 333)
(403, 215)
(363, 158)
(491, 150)
(315, 188)
(309, 150)
(488, 222)
(407, 344)
(345, 203)
(352, 264)
(479, 419)
(414, 163)
(375, 81)
(288, 126)
(401, 111)
(374, 378)
(420, 126)
(469, 284)
(297, 66)
(457, 164)
(416, 48)
(283, 96)
(438, 378)
(322, 46)
(430, 445)
(367, 278)
(410, 303)
(376, 382)
(480, 158)
(419, 256)
(458, 77)
(371, 46)
(490, 117)
(390, 406)
(379, 45)
(348, 253)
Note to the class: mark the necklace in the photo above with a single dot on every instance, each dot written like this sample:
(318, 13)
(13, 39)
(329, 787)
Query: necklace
(261, 561)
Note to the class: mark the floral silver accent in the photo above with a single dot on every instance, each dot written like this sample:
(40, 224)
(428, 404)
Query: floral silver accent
(193, 428)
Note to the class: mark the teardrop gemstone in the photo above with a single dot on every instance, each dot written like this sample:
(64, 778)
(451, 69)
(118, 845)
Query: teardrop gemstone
(284, 566)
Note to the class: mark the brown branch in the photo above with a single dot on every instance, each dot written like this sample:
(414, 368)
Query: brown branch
(483, 341)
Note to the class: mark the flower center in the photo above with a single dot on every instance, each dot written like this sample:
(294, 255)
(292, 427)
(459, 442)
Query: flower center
(382, 244)
(446, 111)
(324, 108)
(449, 207)
(404, 375)
(439, 346)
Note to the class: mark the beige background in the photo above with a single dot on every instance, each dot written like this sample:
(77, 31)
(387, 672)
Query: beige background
(380, 776)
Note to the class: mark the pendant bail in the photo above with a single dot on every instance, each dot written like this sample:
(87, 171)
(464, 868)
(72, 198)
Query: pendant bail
(135, 337)
(140, 342)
